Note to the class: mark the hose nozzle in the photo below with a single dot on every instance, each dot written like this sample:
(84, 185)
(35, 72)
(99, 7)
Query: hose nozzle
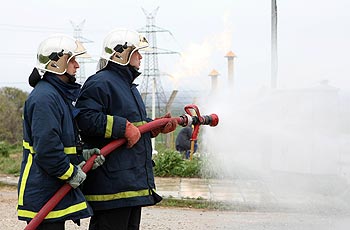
(211, 120)
(193, 117)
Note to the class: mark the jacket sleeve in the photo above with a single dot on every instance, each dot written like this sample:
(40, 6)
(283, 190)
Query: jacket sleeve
(93, 118)
(47, 131)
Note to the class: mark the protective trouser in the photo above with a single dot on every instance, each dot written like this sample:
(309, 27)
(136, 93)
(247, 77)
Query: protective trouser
(51, 226)
(116, 219)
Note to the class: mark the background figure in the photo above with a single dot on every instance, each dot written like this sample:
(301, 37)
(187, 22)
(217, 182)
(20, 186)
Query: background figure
(183, 142)
(50, 137)
(111, 108)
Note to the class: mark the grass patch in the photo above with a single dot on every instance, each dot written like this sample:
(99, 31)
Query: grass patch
(11, 164)
(198, 203)
(201, 203)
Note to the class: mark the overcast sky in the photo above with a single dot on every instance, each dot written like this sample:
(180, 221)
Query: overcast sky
(313, 38)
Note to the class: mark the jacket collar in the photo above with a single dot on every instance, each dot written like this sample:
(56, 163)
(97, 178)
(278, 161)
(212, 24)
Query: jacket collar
(128, 71)
(67, 90)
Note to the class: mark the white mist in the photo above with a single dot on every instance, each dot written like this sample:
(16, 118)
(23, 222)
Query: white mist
(294, 143)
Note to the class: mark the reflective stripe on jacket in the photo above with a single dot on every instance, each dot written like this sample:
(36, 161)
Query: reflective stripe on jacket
(49, 156)
(126, 178)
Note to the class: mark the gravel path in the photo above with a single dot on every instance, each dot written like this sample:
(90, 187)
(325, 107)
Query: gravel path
(175, 218)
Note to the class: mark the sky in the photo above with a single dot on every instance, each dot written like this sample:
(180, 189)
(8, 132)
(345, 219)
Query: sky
(313, 38)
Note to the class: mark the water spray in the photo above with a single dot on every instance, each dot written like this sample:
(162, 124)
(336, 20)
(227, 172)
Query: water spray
(192, 117)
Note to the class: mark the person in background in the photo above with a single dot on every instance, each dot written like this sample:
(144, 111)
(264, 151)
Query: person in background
(183, 142)
(111, 108)
(52, 151)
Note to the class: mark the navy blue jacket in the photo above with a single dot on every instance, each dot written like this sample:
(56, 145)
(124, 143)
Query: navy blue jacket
(49, 152)
(106, 101)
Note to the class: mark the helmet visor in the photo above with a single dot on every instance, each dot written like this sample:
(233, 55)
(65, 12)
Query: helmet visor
(80, 49)
(143, 43)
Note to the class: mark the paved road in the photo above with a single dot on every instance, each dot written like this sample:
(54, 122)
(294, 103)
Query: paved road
(174, 218)
(309, 203)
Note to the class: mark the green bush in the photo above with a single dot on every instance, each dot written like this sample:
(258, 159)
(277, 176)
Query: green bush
(169, 163)
(10, 158)
(191, 168)
(4, 149)
(11, 110)
(10, 165)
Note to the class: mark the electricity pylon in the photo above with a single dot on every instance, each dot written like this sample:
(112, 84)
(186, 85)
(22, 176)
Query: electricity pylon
(84, 58)
(151, 80)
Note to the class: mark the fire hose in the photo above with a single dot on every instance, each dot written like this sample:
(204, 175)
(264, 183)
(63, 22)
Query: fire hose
(192, 117)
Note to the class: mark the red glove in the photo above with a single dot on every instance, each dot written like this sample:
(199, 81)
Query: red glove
(167, 128)
(132, 134)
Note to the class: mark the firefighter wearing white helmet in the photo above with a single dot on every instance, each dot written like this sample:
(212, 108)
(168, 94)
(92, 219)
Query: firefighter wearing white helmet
(111, 107)
(119, 45)
(52, 149)
(54, 54)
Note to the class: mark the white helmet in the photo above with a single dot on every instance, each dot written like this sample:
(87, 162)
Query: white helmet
(55, 52)
(120, 44)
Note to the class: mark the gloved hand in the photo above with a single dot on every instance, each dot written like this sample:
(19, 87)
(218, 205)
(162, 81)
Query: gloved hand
(79, 177)
(100, 159)
(132, 134)
(167, 128)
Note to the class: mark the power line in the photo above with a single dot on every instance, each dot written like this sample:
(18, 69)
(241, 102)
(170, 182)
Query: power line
(13, 83)
(17, 55)
(26, 28)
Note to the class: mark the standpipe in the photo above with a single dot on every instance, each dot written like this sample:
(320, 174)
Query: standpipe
(184, 120)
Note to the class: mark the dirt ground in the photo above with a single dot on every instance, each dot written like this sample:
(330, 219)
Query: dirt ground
(179, 218)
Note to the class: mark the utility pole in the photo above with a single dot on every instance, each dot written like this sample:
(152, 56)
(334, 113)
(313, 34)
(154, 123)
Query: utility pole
(274, 57)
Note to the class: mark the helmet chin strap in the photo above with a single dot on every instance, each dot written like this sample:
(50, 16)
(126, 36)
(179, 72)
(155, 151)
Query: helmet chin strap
(71, 78)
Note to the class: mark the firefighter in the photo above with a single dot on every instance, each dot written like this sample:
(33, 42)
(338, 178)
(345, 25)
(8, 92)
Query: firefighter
(111, 107)
(52, 151)
(183, 142)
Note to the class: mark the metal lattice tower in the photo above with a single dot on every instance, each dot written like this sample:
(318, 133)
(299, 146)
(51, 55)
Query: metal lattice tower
(85, 58)
(151, 87)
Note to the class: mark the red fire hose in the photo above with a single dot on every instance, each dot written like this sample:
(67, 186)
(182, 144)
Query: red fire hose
(184, 120)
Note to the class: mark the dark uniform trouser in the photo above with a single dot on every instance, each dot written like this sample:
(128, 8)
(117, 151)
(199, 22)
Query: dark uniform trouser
(51, 226)
(116, 219)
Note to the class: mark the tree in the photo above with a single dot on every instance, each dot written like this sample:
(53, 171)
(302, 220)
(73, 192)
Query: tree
(16, 96)
(11, 107)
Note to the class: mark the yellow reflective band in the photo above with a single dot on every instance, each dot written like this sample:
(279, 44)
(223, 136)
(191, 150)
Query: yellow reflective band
(139, 123)
(70, 150)
(68, 173)
(117, 196)
(24, 179)
(27, 146)
(67, 150)
(109, 126)
(55, 214)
